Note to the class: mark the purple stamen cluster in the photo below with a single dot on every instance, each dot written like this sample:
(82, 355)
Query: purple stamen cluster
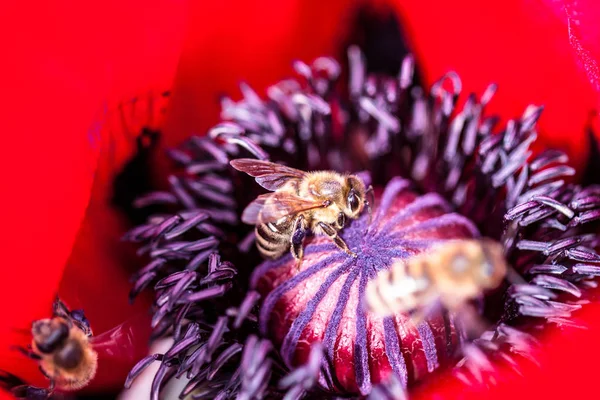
(226, 340)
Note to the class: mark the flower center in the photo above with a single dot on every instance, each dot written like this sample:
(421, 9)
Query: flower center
(324, 300)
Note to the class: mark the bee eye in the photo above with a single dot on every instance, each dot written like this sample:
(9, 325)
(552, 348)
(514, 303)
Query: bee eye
(353, 201)
(49, 335)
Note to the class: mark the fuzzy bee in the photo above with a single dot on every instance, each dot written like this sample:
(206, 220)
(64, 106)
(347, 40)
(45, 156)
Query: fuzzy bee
(321, 202)
(62, 347)
(448, 275)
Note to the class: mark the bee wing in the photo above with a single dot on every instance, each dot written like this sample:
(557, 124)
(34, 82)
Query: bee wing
(269, 175)
(252, 211)
(124, 342)
(272, 206)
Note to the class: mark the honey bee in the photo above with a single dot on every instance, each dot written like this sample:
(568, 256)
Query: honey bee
(319, 201)
(449, 275)
(61, 345)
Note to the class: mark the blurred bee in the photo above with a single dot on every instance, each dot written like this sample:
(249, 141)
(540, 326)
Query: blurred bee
(61, 345)
(318, 201)
(449, 275)
(67, 352)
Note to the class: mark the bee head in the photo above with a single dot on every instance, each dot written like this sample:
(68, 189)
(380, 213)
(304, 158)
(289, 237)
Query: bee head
(49, 334)
(355, 198)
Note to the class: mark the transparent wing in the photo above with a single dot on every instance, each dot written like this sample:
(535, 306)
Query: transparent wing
(252, 211)
(272, 206)
(269, 175)
(125, 342)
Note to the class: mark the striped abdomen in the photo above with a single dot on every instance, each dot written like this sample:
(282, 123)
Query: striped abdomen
(273, 239)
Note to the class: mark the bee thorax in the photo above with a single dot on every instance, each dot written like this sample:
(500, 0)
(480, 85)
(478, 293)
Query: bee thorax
(70, 355)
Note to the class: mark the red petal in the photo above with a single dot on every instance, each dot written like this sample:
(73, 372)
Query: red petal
(98, 271)
(567, 371)
(48, 101)
(5, 396)
(67, 63)
(524, 46)
(257, 42)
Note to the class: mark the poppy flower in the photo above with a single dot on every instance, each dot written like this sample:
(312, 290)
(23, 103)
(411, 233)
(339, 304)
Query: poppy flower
(437, 36)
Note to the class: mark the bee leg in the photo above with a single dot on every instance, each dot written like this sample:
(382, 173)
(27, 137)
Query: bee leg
(51, 387)
(30, 392)
(47, 376)
(60, 309)
(79, 318)
(76, 317)
(297, 240)
(333, 235)
(19, 389)
(27, 353)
